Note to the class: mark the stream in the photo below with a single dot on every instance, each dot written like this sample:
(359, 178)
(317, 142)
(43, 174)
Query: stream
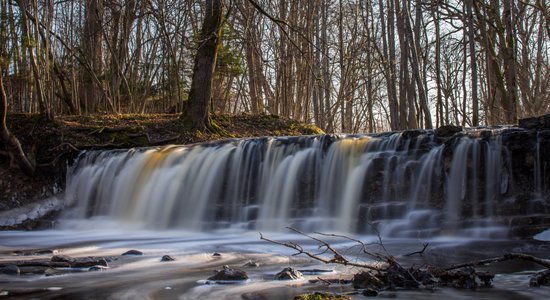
(469, 194)
(146, 277)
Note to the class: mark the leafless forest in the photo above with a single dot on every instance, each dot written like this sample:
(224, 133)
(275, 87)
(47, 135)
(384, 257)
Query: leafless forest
(346, 66)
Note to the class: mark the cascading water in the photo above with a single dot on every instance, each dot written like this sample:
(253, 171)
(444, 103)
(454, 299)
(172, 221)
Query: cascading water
(398, 184)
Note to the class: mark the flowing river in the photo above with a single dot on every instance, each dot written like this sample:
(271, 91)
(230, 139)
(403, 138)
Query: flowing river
(458, 193)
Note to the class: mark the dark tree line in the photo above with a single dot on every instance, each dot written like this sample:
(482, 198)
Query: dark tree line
(347, 65)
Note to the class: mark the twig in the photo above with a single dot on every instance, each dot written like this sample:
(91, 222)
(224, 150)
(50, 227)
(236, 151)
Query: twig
(363, 245)
(336, 259)
(327, 283)
(418, 252)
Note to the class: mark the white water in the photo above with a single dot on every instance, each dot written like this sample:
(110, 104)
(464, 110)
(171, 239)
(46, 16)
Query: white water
(189, 202)
(391, 183)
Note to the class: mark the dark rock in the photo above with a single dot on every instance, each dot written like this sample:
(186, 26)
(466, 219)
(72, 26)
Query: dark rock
(132, 252)
(288, 274)
(251, 264)
(35, 252)
(10, 270)
(367, 280)
(228, 274)
(97, 268)
(62, 258)
(448, 130)
(315, 271)
(80, 262)
(412, 133)
(542, 122)
(89, 262)
(370, 293)
(321, 296)
(167, 258)
(529, 123)
(52, 272)
(331, 281)
(540, 278)
(216, 254)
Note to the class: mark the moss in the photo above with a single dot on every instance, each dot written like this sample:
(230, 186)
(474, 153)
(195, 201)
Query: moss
(310, 129)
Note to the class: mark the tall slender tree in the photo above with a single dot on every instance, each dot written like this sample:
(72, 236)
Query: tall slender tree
(196, 109)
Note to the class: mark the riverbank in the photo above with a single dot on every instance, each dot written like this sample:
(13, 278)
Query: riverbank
(51, 144)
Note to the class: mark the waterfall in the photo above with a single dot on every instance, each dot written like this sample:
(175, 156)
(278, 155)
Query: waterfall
(399, 184)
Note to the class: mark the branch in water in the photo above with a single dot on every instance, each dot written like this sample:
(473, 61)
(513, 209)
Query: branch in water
(337, 257)
(508, 256)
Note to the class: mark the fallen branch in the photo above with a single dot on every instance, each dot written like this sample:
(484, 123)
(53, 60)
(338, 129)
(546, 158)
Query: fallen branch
(337, 258)
(418, 252)
(509, 256)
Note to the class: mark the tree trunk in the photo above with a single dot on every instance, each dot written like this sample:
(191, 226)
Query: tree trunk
(196, 108)
(12, 143)
(92, 54)
(473, 62)
(510, 61)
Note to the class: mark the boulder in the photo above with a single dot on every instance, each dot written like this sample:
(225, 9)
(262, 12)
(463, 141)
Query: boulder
(133, 252)
(251, 264)
(229, 274)
(80, 262)
(542, 122)
(97, 268)
(448, 130)
(288, 274)
(10, 270)
(167, 258)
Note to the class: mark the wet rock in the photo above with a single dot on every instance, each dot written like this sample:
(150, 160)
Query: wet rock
(540, 278)
(167, 258)
(81, 262)
(10, 270)
(132, 252)
(216, 254)
(315, 271)
(52, 272)
(251, 264)
(448, 130)
(321, 296)
(229, 274)
(97, 268)
(370, 293)
(367, 280)
(331, 281)
(288, 274)
(62, 258)
(34, 252)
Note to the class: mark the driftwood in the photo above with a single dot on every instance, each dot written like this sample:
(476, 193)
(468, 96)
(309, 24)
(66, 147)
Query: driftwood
(325, 248)
(387, 273)
(509, 256)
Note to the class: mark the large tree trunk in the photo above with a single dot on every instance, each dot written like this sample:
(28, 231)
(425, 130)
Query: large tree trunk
(12, 143)
(92, 54)
(473, 62)
(196, 108)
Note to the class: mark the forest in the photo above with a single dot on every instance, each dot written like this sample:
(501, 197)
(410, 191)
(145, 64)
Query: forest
(345, 66)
